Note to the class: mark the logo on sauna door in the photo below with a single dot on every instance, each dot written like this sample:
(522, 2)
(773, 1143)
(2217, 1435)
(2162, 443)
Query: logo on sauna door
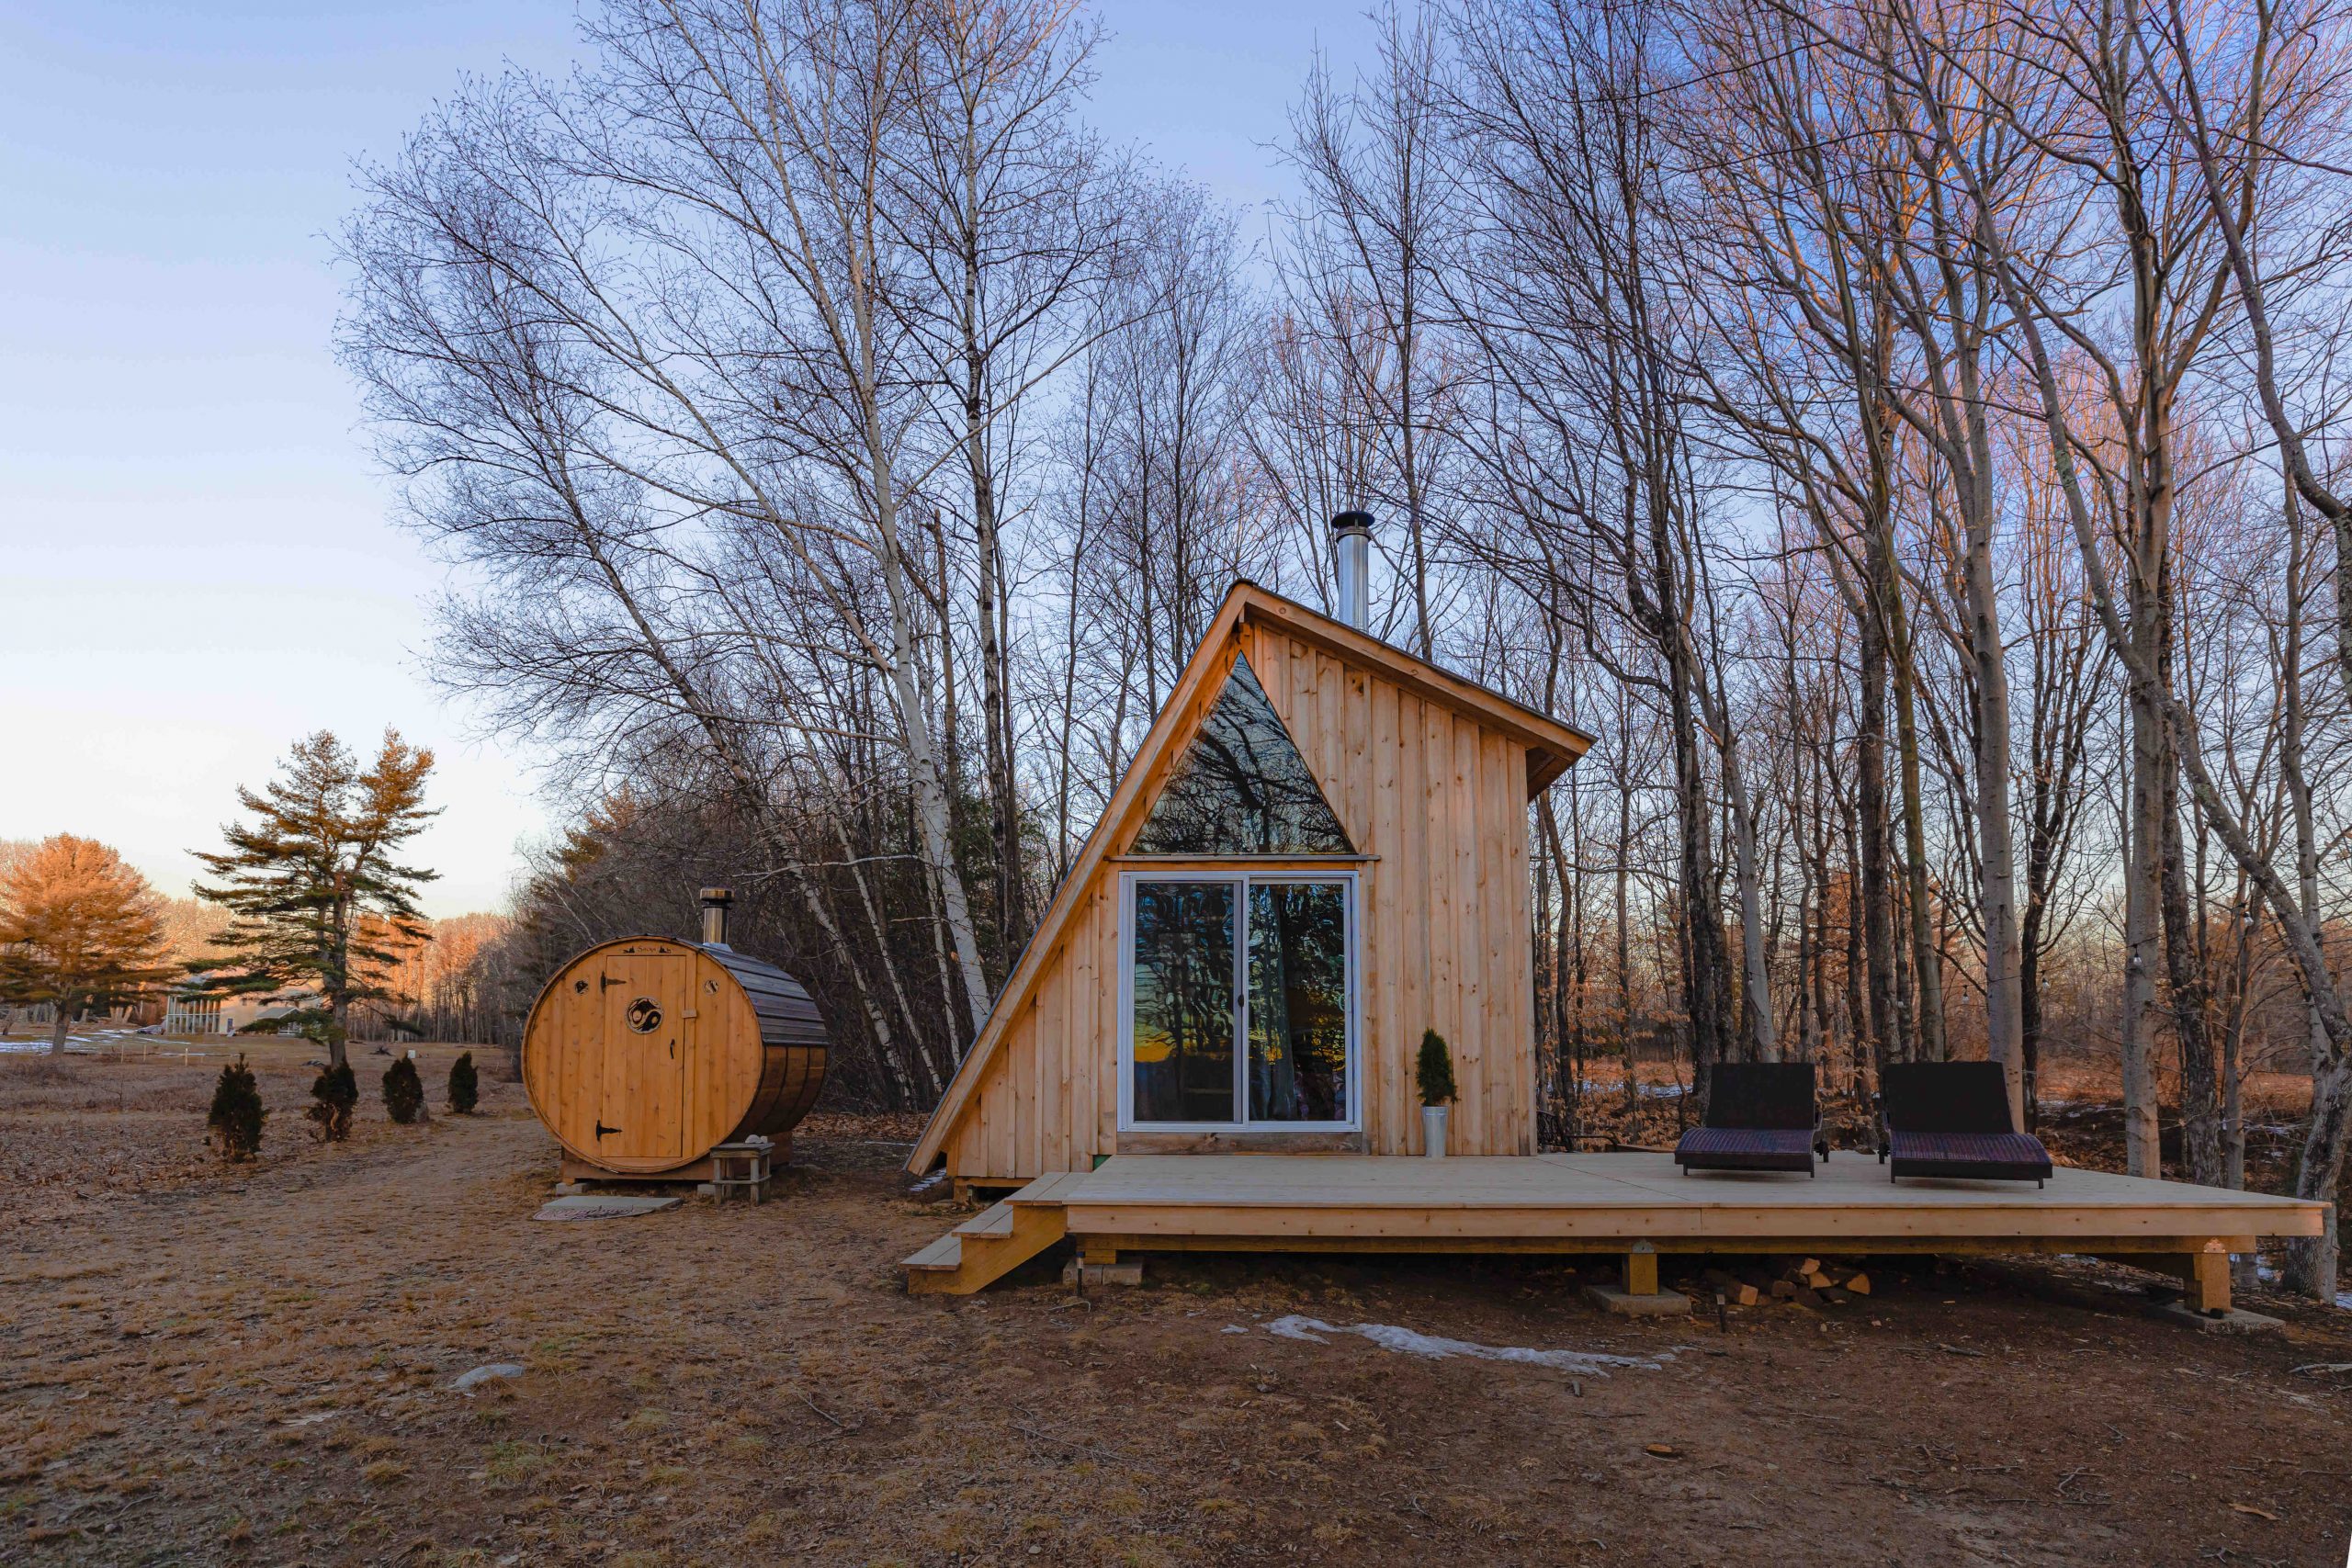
(644, 1015)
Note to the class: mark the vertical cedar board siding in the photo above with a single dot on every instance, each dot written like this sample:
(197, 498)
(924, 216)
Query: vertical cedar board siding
(1444, 941)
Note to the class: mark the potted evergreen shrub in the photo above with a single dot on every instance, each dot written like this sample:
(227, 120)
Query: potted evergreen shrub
(1435, 1073)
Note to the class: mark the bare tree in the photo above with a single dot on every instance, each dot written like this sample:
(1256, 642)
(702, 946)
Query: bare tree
(1363, 273)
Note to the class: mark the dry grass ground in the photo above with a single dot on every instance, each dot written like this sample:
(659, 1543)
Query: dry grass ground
(251, 1365)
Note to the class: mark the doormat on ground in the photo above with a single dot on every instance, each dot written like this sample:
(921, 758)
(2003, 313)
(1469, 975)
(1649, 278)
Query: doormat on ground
(604, 1206)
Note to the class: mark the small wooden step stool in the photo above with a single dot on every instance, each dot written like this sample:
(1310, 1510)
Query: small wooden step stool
(741, 1168)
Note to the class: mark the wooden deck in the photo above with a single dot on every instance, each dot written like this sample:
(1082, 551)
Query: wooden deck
(1637, 1205)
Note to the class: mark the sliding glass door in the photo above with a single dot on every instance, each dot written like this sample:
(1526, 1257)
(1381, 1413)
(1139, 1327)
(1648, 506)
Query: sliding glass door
(1238, 1002)
(1184, 1000)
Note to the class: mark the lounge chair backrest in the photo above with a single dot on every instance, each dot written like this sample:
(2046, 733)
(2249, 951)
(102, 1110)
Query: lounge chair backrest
(1761, 1094)
(1945, 1097)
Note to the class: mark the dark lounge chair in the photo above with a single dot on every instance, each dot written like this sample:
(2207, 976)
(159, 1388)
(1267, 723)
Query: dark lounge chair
(1760, 1116)
(1952, 1119)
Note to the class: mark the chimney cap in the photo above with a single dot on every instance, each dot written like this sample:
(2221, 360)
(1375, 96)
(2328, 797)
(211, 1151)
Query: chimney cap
(1351, 522)
(717, 896)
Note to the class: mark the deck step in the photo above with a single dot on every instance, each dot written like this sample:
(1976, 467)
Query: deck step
(989, 1245)
(994, 1222)
(945, 1255)
(1050, 1189)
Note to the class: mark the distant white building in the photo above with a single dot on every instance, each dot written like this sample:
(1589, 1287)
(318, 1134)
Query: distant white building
(187, 1013)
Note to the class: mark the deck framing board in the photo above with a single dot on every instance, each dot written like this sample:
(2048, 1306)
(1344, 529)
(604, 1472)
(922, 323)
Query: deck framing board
(2156, 1252)
(1613, 1205)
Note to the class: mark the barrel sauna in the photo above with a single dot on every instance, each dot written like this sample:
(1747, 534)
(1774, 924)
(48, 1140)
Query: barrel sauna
(642, 1053)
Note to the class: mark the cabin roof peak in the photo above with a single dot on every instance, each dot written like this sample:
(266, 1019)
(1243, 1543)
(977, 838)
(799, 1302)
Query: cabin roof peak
(1552, 748)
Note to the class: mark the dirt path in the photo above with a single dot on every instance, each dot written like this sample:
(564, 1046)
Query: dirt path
(254, 1369)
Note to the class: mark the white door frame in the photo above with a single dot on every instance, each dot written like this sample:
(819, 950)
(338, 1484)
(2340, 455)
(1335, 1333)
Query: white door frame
(1239, 879)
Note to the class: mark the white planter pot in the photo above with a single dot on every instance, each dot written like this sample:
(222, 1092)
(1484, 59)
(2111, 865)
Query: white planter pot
(1433, 1130)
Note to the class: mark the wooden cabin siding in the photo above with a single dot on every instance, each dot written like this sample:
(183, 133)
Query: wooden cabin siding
(1440, 801)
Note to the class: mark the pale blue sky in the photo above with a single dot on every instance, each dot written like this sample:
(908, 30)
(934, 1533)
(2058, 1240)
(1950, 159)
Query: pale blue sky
(194, 564)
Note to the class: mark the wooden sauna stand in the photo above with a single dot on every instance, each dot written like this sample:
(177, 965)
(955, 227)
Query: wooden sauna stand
(573, 1168)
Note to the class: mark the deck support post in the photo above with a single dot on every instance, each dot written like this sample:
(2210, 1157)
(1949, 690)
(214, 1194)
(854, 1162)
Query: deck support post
(2208, 1277)
(1100, 1252)
(1640, 1269)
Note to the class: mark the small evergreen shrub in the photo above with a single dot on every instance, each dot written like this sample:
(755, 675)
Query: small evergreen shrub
(1434, 1071)
(465, 1088)
(403, 1091)
(334, 1096)
(236, 1114)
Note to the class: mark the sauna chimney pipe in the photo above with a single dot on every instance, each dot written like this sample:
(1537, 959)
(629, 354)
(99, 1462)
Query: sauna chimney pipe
(1352, 543)
(714, 916)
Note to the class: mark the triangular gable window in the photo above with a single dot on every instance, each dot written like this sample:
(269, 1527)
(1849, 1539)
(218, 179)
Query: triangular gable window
(1242, 788)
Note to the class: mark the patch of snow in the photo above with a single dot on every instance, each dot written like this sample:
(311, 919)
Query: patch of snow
(88, 1044)
(1646, 1091)
(467, 1382)
(1404, 1341)
(1233, 1328)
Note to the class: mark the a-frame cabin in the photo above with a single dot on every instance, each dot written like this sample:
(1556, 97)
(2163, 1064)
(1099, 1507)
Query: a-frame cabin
(1318, 851)
(1321, 850)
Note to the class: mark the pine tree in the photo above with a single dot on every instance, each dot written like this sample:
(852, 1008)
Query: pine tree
(403, 1091)
(318, 904)
(337, 1094)
(1434, 1071)
(78, 928)
(236, 1114)
(465, 1088)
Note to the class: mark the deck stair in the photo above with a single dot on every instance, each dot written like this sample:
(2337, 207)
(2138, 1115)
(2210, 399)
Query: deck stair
(992, 1243)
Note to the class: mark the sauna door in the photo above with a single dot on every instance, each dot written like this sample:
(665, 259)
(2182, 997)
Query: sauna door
(641, 1111)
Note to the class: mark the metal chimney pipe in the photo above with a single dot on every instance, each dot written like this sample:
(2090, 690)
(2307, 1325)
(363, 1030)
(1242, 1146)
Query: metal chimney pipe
(1352, 543)
(714, 916)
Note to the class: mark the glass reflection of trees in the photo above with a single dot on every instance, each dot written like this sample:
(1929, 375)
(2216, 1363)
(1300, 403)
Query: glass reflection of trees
(1298, 1001)
(1183, 1001)
(1293, 1017)
(1242, 788)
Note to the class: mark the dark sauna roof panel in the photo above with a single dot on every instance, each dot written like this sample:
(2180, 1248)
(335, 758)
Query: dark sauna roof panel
(787, 1014)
